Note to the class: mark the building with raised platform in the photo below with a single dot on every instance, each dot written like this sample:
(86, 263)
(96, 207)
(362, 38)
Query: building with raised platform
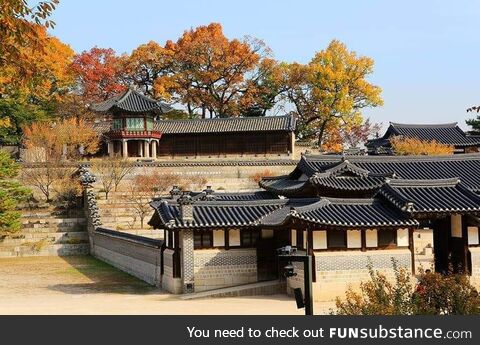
(134, 127)
(348, 213)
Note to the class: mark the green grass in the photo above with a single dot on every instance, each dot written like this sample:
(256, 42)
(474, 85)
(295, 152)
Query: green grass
(105, 277)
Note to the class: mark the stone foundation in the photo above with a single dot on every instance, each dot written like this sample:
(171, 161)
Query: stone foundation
(219, 268)
(337, 271)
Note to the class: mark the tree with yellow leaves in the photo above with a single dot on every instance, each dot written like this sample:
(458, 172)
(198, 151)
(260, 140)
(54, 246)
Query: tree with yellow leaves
(146, 64)
(411, 146)
(331, 91)
(69, 138)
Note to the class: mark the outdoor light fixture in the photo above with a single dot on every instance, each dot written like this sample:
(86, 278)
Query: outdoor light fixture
(289, 253)
(289, 271)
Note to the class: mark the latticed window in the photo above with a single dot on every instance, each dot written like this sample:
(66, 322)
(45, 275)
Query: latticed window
(202, 239)
(387, 237)
(117, 124)
(149, 124)
(249, 238)
(135, 123)
(336, 239)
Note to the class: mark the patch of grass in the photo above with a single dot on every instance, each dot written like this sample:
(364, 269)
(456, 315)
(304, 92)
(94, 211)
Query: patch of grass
(104, 276)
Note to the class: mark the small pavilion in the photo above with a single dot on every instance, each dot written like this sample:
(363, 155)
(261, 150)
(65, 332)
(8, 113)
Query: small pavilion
(131, 131)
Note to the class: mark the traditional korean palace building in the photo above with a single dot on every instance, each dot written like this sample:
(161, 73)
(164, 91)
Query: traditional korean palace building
(448, 133)
(133, 127)
(347, 212)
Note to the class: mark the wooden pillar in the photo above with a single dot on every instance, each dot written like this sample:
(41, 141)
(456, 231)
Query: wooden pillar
(140, 148)
(110, 148)
(125, 148)
(311, 253)
(363, 233)
(154, 149)
(147, 149)
(412, 248)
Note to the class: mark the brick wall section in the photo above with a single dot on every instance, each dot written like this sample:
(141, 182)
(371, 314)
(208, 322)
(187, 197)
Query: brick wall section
(186, 240)
(336, 271)
(219, 268)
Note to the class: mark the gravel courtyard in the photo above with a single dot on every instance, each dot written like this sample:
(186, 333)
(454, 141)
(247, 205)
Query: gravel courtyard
(84, 285)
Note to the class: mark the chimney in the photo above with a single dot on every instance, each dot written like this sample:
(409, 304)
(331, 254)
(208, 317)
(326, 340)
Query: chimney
(185, 204)
(175, 192)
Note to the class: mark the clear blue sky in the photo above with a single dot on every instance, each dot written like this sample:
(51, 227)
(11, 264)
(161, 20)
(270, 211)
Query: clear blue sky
(426, 52)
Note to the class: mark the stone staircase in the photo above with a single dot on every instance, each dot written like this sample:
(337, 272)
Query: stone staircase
(118, 213)
(46, 233)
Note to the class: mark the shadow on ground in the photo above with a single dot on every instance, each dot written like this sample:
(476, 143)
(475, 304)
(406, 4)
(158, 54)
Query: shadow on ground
(101, 278)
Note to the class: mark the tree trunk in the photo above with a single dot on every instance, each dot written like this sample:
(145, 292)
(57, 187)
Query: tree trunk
(320, 135)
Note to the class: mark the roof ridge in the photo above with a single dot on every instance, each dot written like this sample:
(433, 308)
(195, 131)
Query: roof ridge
(333, 158)
(229, 118)
(423, 183)
(424, 125)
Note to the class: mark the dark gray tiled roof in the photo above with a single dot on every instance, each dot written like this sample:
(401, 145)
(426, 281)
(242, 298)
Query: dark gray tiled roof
(430, 196)
(353, 183)
(353, 213)
(133, 102)
(228, 125)
(341, 175)
(347, 213)
(282, 185)
(242, 196)
(214, 214)
(448, 133)
(464, 166)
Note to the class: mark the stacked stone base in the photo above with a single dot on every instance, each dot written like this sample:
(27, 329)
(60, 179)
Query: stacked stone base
(337, 271)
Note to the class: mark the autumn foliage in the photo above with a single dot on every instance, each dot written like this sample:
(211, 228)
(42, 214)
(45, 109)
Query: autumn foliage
(204, 71)
(100, 73)
(69, 138)
(256, 177)
(431, 294)
(411, 146)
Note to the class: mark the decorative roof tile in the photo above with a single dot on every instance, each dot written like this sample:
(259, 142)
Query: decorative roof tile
(133, 102)
(353, 213)
(431, 196)
(463, 166)
(227, 125)
(213, 214)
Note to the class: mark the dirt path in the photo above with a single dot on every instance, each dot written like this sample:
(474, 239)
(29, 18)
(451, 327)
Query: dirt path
(84, 285)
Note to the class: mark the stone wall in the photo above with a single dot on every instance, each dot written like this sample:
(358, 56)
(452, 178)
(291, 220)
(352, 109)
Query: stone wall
(219, 268)
(336, 271)
(134, 255)
(475, 256)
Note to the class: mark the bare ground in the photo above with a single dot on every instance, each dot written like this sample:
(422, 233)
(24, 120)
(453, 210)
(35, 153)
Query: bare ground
(84, 285)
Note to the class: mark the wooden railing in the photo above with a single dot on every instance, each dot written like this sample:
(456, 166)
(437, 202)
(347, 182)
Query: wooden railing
(127, 134)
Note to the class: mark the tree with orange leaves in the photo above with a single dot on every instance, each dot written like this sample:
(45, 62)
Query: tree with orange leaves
(100, 73)
(211, 73)
(69, 138)
(146, 64)
(19, 22)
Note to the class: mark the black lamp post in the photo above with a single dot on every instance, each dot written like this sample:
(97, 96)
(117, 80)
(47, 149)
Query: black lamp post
(289, 254)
